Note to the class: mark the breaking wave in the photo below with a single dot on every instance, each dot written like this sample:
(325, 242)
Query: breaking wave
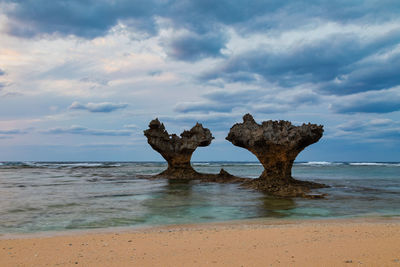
(389, 164)
(56, 165)
(319, 163)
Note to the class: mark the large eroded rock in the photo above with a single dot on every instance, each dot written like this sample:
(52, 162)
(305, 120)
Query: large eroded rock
(276, 144)
(177, 151)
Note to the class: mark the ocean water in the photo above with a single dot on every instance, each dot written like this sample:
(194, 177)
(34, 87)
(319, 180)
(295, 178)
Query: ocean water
(42, 196)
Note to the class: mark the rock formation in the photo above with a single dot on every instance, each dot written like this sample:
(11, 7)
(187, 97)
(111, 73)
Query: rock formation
(177, 151)
(276, 144)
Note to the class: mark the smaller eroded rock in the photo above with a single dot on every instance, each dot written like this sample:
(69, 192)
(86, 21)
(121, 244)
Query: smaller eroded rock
(177, 151)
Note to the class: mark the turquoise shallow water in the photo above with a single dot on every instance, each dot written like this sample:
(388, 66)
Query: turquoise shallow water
(39, 196)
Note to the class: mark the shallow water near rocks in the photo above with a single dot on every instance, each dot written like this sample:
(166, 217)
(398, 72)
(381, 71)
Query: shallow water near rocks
(40, 196)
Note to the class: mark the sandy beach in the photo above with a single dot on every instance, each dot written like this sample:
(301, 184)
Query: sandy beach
(361, 242)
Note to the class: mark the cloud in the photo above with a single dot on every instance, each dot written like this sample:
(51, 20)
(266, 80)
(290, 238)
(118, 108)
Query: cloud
(316, 60)
(14, 131)
(2, 84)
(99, 81)
(384, 101)
(381, 129)
(73, 69)
(203, 106)
(87, 19)
(221, 101)
(271, 108)
(340, 63)
(380, 122)
(92, 18)
(200, 15)
(235, 96)
(7, 134)
(192, 47)
(261, 16)
(131, 126)
(104, 107)
(155, 73)
(353, 125)
(250, 100)
(216, 121)
(10, 94)
(202, 24)
(377, 73)
(86, 131)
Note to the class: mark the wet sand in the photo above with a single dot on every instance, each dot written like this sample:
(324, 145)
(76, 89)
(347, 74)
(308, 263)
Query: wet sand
(360, 242)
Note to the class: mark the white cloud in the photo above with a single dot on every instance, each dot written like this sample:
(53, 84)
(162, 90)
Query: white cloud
(98, 107)
(80, 130)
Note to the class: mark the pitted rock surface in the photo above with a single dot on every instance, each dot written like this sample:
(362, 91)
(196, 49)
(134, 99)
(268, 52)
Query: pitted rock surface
(276, 144)
(177, 151)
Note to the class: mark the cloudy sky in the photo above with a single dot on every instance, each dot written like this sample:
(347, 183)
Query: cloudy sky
(81, 79)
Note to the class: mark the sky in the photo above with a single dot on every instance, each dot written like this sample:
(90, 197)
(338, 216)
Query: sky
(81, 79)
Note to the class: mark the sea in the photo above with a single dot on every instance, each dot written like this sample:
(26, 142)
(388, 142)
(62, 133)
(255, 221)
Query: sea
(60, 196)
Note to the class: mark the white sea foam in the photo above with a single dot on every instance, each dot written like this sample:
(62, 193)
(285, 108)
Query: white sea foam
(252, 164)
(68, 164)
(81, 164)
(374, 164)
(319, 163)
(88, 165)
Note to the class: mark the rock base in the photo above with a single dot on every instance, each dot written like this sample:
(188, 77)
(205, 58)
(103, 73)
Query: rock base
(289, 188)
(190, 174)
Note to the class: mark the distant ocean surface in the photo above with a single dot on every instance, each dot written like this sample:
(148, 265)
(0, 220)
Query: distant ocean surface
(42, 196)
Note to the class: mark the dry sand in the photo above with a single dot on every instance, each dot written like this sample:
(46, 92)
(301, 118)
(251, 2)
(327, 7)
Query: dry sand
(289, 243)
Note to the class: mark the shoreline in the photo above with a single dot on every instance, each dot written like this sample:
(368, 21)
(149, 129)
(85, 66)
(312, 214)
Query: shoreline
(258, 222)
(372, 241)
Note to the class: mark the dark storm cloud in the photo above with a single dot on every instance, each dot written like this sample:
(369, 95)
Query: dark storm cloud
(104, 107)
(86, 131)
(338, 64)
(91, 18)
(203, 19)
(234, 96)
(83, 18)
(192, 46)
(246, 17)
(371, 74)
(371, 102)
(376, 129)
(203, 16)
